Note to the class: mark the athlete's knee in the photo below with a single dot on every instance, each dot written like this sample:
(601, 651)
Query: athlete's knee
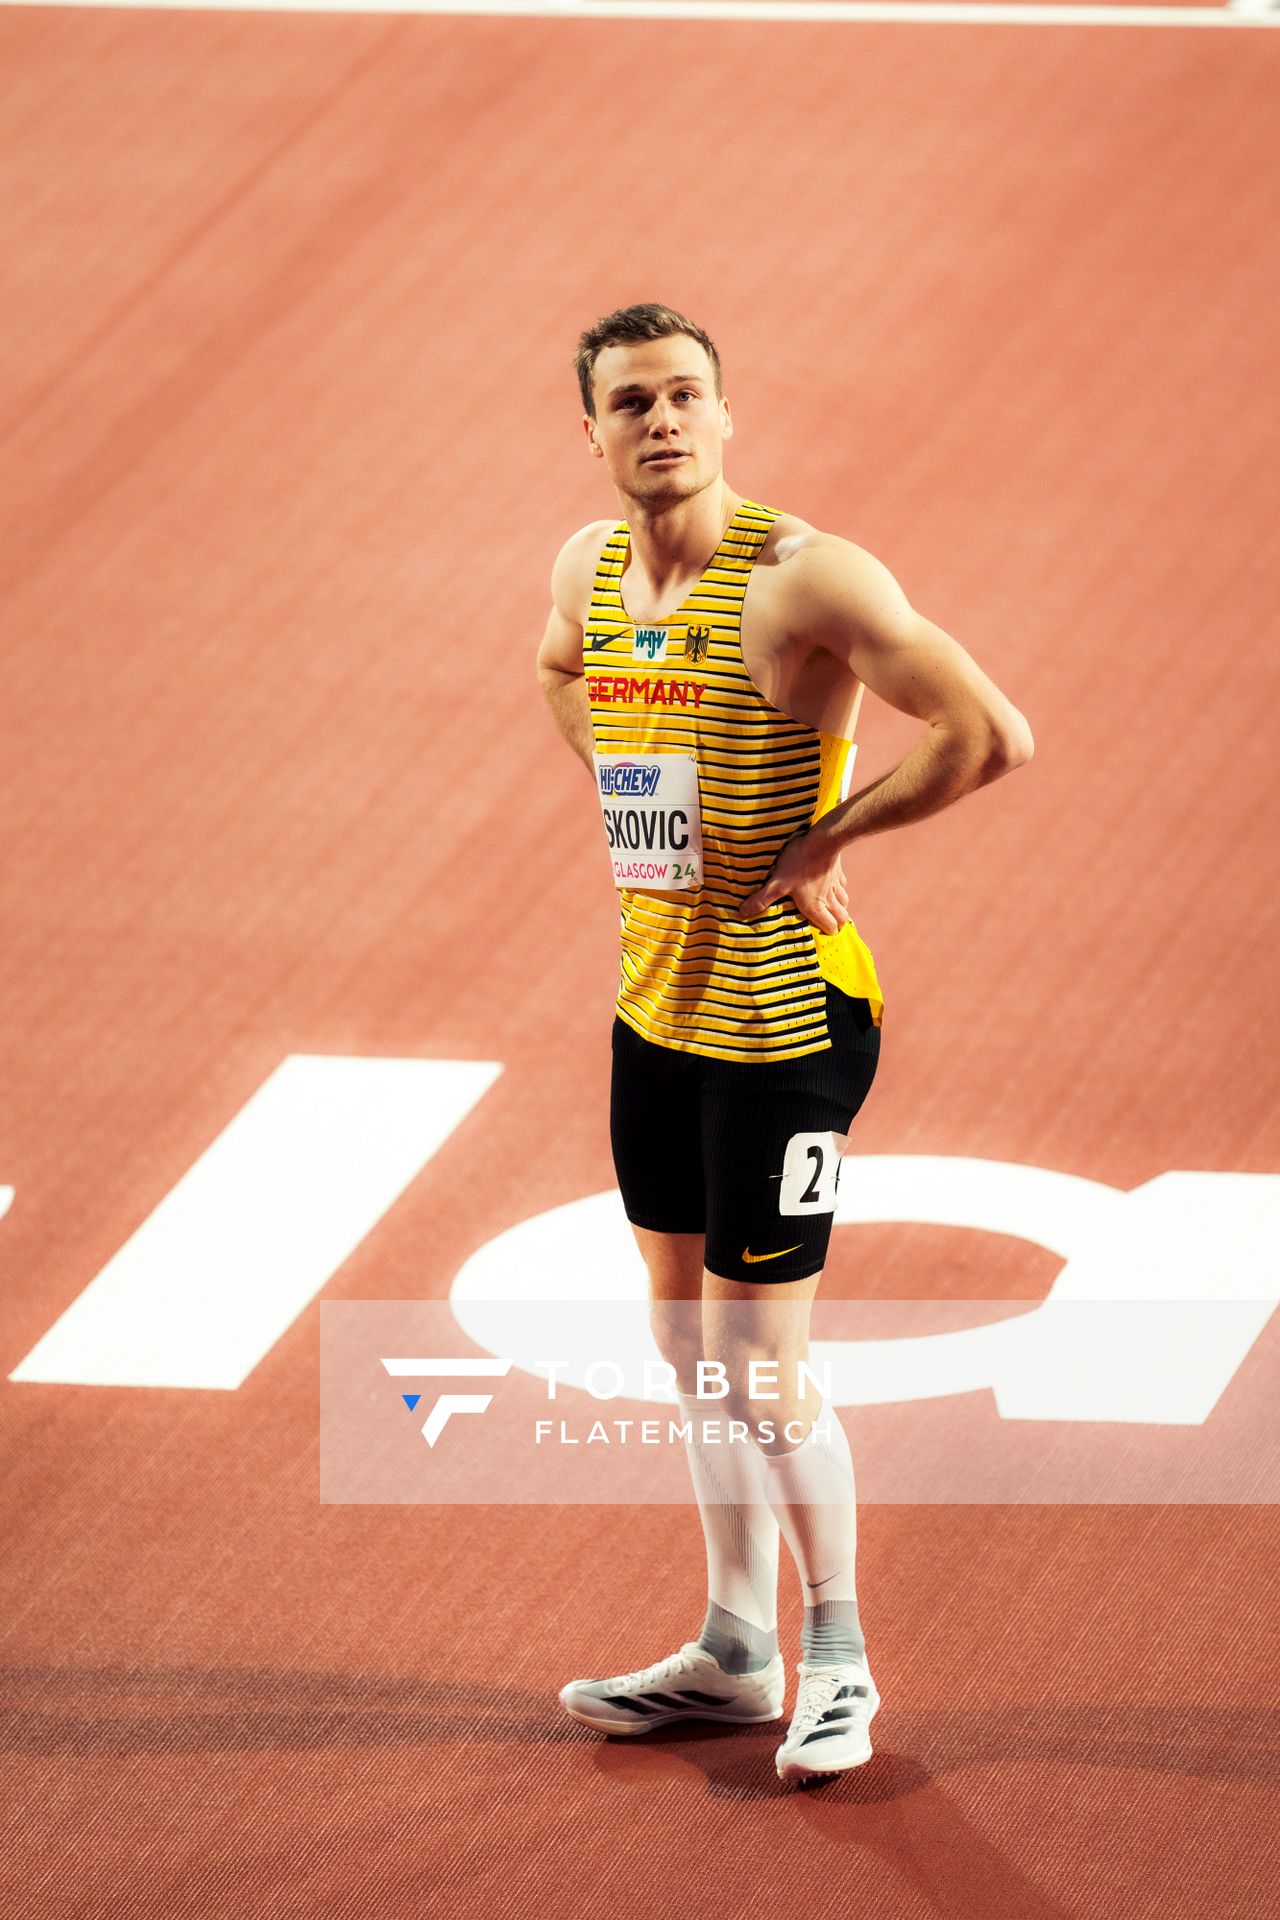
(676, 1326)
(756, 1380)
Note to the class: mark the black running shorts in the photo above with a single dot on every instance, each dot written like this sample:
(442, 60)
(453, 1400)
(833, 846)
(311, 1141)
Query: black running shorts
(743, 1152)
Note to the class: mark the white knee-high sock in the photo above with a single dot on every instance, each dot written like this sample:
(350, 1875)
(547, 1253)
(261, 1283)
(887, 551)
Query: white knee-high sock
(741, 1534)
(812, 1491)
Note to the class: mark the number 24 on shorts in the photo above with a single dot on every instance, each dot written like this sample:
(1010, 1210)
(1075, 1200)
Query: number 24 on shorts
(810, 1172)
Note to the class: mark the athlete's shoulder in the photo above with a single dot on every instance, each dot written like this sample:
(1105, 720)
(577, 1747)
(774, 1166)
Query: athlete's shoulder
(575, 566)
(813, 568)
(791, 539)
(787, 531)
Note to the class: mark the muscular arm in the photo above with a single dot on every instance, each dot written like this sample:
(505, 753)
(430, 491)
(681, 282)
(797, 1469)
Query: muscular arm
(560, 669)
(852, 604)
(975, 733)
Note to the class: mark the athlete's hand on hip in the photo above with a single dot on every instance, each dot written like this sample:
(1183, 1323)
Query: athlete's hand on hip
(809, 874)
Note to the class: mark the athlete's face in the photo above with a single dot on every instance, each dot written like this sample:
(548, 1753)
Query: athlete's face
(659, 427)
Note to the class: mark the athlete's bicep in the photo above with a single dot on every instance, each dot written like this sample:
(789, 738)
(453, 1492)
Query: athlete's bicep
(853, 607)
(560, 648)
(561, 645)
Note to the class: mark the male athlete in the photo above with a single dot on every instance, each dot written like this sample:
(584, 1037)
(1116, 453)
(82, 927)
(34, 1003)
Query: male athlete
(705, 657)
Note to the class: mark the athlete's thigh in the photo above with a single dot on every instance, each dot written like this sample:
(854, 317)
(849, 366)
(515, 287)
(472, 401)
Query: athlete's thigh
(771, 1141)
(655, 1135)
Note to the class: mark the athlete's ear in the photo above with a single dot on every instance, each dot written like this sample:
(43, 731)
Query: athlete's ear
(726, 419)
(592, 442)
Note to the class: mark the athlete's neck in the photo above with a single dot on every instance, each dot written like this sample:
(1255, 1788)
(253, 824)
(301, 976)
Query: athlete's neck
(672, 541)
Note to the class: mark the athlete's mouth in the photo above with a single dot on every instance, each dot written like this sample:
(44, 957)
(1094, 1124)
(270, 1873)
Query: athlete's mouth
(678, 455)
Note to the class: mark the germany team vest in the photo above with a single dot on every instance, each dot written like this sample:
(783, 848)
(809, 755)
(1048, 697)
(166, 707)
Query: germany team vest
(701, 782)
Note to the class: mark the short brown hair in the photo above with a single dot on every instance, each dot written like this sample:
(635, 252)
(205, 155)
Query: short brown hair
(629, 324)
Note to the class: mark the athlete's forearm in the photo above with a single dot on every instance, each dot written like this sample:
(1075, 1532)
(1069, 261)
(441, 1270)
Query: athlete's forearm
(942, 768)
(566, 695)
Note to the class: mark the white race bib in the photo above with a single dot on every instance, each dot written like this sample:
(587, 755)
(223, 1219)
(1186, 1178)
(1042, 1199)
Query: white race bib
(651, 819)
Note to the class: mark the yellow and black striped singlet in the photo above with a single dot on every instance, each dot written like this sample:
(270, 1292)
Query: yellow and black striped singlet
(694, 977)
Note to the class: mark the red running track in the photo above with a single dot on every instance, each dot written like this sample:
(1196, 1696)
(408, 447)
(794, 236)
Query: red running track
(290, 440)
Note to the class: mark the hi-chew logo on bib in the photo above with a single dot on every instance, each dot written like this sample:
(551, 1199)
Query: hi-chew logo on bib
(652, 818)
(629, 780)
